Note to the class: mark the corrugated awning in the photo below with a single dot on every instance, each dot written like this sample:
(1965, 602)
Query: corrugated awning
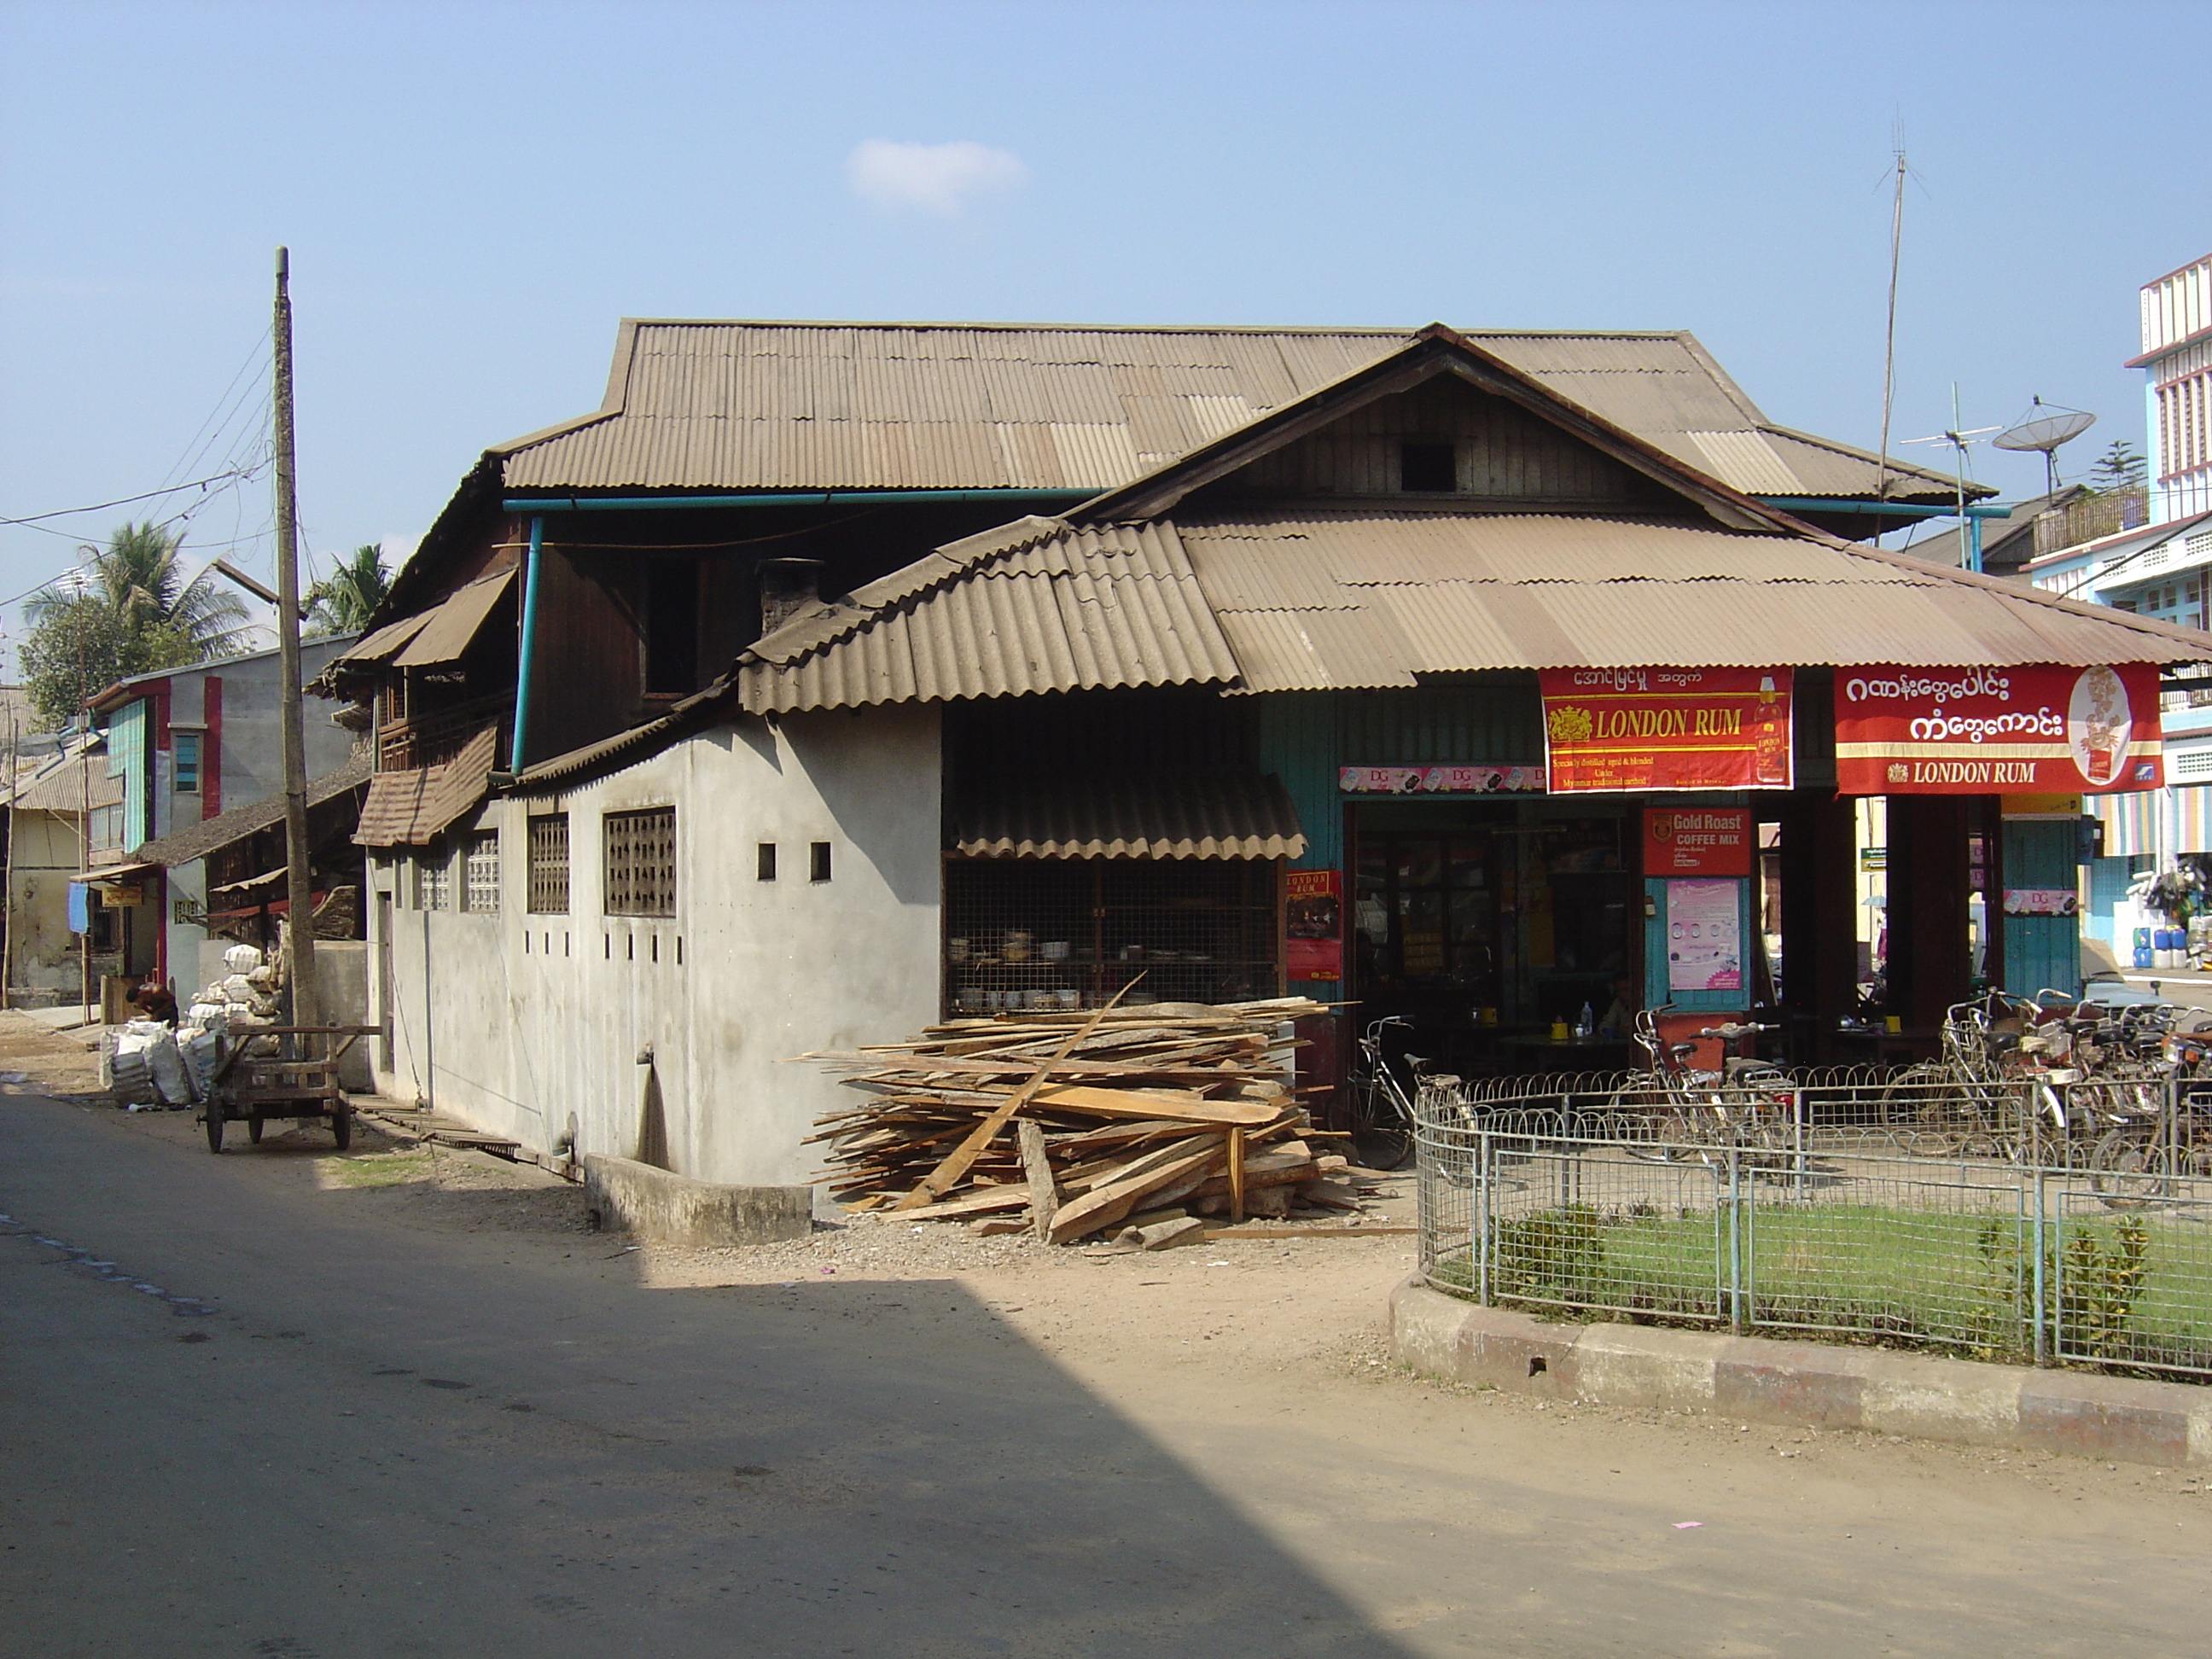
(1211, 815)
(114, 873)
(451, 628)
(438, 634)
(414, 808)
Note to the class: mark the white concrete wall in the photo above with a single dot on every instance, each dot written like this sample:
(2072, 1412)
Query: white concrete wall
(531, 1026)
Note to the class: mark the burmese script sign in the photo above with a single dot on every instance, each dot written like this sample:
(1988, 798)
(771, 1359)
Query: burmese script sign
(1997, 731)
(1614, 730)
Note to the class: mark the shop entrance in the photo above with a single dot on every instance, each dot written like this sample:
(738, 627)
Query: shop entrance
(1484, 922)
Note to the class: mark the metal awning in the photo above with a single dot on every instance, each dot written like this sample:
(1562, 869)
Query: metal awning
(413, 808)
(1207, 815)
(114, 873)
(266, 878)
(438, 634)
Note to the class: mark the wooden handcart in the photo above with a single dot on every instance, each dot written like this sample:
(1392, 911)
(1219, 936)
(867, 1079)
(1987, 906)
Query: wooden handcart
(296, 1082)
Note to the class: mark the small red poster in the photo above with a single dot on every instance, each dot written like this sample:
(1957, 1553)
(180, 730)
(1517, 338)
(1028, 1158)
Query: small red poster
(1697, 840)
(1618, 730)
(1313, 924)
(2039, 729)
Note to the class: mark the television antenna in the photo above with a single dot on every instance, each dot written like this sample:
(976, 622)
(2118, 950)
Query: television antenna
(1961, 437)
(2045, 427)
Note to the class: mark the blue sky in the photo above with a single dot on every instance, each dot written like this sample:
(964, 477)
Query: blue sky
(475, 193)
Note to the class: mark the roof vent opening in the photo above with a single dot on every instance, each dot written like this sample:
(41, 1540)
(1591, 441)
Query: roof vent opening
(787, 586)
(1428, 469)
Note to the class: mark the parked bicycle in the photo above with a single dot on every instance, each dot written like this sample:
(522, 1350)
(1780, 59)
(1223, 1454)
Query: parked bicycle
(1382, 1118)
(1676, 1111)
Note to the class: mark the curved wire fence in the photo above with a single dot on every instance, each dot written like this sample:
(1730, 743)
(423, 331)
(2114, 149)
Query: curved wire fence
(2021, 1221)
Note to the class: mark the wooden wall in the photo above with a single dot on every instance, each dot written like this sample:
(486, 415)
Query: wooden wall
(1503, 452)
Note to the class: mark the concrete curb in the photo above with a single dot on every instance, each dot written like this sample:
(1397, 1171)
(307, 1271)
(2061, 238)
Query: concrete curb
(1802, 1384)
(662, 1208)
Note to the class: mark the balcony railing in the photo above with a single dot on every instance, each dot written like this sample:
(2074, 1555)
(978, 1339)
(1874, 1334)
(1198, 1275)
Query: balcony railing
(436, 737)
(2087, 518)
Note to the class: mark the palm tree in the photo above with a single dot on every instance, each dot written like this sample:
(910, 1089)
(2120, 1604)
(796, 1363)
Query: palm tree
(343, 601)
(126, 609)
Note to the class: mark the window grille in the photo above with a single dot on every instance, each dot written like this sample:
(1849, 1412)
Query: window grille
(1068, 934)
(548, 865)
(481, 874)
(2195, 763)
(641, 863)
(433, 878)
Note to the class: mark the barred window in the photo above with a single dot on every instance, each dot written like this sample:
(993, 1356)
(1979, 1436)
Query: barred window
(434, 879)
(481, 874)
(641, 849)
(548, 865)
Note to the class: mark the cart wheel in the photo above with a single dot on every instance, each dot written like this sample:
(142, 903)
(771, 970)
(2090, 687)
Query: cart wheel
(341, 1126)
(253, 1127)
(214, 1116)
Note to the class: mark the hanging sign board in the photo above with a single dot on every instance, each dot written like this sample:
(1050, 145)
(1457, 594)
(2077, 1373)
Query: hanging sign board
(2041, 901)
(1313, 924)
(1618, 730)
(2040, 729)
(1703, 952)
(1697, 840)
(1482, 778)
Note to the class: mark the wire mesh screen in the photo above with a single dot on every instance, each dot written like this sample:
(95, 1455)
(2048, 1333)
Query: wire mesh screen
(1846, 1210)
(1069, 933)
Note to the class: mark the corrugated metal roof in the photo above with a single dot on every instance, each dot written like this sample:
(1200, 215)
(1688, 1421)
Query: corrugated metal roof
(742, 405)
(197, 841)
(1357, 599)
(1209, 815)
(450, 628)
(1041, 607)
(68, 785)
(1364, 599)
(414, 808)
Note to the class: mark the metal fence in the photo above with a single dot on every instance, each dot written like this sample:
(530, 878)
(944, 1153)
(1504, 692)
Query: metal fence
(2011, 1221)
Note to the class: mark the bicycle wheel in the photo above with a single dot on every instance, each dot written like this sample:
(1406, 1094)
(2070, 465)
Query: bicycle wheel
(1382, 1137)
(2125, 1165)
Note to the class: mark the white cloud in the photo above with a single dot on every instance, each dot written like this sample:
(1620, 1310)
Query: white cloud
(940, 179)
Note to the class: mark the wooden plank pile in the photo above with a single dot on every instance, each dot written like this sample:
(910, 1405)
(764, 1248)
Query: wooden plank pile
(1120, 1122)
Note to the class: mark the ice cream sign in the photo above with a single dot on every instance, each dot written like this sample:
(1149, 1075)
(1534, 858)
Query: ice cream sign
(1997, 731)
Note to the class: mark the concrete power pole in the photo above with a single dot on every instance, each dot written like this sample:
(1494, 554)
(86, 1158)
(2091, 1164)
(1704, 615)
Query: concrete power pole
(298, 877)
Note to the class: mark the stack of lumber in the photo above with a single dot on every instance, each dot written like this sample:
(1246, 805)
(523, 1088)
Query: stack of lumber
(1073, 1125)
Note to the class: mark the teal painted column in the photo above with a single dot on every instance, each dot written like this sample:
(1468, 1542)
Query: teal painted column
(2041, 950)
(1298, 743)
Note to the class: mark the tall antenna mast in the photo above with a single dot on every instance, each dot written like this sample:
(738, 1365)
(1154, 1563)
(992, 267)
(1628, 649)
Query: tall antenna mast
(299, 893)
(1889, 338)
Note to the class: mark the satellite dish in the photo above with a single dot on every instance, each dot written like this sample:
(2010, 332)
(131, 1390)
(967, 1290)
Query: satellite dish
(2045, 432)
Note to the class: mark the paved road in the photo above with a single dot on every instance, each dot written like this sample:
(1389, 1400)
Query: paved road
(386, 1440)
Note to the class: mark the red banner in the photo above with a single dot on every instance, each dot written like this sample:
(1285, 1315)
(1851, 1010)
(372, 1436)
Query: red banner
(1313, 924)
(1997, 731)
(1614, 730)
(1697, 840)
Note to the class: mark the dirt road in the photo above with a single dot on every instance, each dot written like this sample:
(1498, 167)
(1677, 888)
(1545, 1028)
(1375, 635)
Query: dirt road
(282, 1404)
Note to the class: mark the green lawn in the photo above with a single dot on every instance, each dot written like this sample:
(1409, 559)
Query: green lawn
(2126, 1289)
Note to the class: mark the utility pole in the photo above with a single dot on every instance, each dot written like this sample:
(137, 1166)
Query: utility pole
(298, 877)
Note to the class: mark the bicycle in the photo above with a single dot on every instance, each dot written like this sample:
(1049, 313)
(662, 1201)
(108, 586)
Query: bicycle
(1748, 1102)
(1383, 1119)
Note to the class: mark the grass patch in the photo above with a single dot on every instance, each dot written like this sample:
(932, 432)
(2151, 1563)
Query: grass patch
(2125, 1289)
(372, 1168)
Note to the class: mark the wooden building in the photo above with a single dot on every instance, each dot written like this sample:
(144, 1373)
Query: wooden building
(831, 678)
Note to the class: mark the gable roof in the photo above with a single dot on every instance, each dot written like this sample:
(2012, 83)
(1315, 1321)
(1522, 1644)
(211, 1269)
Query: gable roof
(696, 404)
(1436, 352)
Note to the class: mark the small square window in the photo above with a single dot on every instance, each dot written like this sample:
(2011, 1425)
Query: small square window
(817, 861)
(764, 869)
(1430, 469)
